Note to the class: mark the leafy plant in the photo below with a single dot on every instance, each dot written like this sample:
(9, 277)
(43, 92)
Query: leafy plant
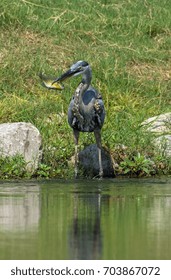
(43, 171)
(12, 167)
(137, 165)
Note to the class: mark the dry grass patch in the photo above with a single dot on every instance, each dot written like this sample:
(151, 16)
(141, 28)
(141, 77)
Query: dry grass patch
(147, 71)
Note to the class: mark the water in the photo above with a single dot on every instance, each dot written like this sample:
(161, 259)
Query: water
(108, 219)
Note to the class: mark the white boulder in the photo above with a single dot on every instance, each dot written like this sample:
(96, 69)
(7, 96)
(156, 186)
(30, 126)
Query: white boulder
(160, 126)
(21, 138)
(163, 143)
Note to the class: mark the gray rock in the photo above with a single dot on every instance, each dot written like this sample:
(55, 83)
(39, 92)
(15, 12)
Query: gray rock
(88, 160)
(21, 138)
(160, 126)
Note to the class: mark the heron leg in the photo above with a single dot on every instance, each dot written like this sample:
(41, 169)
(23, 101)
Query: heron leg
(97, 135)
(76, 137)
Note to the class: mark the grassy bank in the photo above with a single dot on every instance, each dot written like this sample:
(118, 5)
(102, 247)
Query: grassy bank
(128, 44)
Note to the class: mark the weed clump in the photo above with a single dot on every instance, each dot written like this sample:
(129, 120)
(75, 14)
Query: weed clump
(12, 167)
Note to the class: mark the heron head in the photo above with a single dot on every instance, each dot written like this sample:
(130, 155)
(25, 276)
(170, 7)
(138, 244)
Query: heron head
(80, 67)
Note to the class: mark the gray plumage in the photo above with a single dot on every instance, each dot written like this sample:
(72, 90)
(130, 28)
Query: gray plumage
(86, 110)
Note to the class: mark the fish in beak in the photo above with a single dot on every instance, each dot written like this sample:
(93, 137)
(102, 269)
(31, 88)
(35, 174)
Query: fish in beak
(50, 82)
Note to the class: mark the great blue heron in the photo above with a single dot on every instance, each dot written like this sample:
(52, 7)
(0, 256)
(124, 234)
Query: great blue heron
(86, 111)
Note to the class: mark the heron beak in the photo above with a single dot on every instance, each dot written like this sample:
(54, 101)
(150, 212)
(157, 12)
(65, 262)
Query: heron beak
(66, 75)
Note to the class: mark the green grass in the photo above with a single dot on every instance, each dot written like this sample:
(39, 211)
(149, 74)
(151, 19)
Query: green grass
(127, 43)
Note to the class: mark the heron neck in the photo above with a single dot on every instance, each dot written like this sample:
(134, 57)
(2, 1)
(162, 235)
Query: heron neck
(83, 86)
(86, 77)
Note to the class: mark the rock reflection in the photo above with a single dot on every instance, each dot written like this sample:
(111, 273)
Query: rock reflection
(19, 208)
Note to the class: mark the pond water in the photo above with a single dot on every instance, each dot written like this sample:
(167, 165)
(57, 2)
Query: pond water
(86, 219)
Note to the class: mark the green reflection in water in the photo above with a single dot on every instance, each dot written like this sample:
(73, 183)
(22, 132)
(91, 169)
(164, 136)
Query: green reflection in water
(106, 219)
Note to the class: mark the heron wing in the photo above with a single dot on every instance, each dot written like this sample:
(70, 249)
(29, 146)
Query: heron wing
(98, 107)
(99, 111)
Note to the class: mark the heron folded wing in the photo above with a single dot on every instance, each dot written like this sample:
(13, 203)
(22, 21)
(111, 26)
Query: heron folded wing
(99, 111)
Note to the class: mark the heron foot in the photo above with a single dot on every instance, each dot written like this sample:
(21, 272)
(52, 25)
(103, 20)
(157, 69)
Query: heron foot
(76, 176)
(101, 174)
(76, 173)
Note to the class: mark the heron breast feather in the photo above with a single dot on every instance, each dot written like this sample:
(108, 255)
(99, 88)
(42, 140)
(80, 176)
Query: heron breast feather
(88, 97)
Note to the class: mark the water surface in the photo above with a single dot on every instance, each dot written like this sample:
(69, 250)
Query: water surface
(89, 219)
